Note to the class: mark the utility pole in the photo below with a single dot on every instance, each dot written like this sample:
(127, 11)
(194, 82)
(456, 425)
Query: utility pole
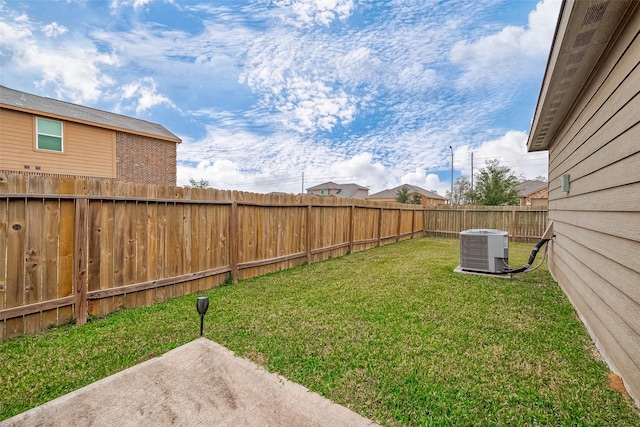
(451, 148)
(472, 171)
(302, 182)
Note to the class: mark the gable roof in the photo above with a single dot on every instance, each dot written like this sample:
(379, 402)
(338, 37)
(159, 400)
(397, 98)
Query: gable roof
(392, 193)
(34, 104)
(530, 186)
(348, 190)
(344, 190)
(326, 186)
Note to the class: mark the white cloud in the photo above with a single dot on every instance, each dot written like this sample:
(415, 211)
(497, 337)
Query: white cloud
(430, 182)
(312, 12)
(510, 150)
(145, 95)
(509, 53)
(363, 170)
(54, 29)
(136, 4)
(74, 70)
(243, 160)
(295, 76)
(220, 174)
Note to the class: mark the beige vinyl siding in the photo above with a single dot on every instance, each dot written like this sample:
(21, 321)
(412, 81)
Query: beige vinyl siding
(88, 151)
(595, 255)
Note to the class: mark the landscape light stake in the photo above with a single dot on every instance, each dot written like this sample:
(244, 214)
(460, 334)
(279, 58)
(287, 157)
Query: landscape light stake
(202, 304)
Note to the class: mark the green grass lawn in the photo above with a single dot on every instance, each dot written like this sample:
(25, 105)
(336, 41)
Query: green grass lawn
(392, 333)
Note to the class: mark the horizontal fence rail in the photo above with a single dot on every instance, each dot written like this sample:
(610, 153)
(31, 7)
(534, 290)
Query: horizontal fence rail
(72, 248)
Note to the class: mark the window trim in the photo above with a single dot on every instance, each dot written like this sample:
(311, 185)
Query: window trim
(38, 133)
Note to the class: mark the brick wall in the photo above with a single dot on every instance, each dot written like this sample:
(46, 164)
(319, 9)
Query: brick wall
(146, 160)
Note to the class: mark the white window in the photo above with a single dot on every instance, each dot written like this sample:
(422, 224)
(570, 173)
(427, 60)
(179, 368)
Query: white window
(49, 135)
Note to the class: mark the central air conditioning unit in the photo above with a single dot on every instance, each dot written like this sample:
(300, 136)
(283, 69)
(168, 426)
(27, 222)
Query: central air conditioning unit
(484, 250)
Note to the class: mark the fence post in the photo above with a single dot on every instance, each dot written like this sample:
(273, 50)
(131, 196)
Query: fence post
(464, 219)
(308, 236)
(399, 225)
(352, 227)
(380, 227)
(80, 260)
(413, 222)
(425, 217)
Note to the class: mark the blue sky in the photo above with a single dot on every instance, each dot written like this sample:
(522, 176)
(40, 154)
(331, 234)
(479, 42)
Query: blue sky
(262, 91)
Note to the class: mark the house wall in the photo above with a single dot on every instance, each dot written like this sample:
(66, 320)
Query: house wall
(88, 151)
(144, 159)
(595, 255)
(360, 194)
(539, 198)
(427, 201)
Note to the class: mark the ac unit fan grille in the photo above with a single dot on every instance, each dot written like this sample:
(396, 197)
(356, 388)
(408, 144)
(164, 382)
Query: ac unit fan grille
(474, 253)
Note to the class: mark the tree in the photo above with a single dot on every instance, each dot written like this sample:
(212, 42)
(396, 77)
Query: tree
(461, 191)
(402, 195)
(495, 185)
(203, 183)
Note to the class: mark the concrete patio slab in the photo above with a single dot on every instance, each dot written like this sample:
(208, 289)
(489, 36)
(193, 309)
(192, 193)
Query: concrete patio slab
(198, 384)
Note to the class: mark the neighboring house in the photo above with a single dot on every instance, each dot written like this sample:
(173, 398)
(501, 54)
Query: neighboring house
(533, 193)
(352, 191)
(48, 136)
(588, 118)
(427, 198)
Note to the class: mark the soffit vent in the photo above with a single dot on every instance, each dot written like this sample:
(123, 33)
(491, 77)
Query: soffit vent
(595, 13)
(575, 58)
(584, 38)
(569, 73)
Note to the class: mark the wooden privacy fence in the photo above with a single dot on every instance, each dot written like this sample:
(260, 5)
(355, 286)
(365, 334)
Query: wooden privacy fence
(524, 224)
(77, 247)
(73, 248)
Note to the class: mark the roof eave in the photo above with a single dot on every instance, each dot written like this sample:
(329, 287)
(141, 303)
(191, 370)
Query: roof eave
(173, 139)
(584, 30)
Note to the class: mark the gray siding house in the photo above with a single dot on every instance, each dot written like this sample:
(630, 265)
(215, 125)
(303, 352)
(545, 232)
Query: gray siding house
(588, 118)
(348, 191)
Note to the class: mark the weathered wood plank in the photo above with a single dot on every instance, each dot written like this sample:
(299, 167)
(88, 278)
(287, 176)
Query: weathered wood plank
(119, 251)
(80, 260)
(142, 254)
(187, 243)
(93, 254)
(16, 249)
(161, 254)
(269, 261)
(65, 278)
(131, 251)
(4, 208)
(33, 280)
(51, 234)
(107, 227)
(55, 303)
(155, 284)
(234, 234)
